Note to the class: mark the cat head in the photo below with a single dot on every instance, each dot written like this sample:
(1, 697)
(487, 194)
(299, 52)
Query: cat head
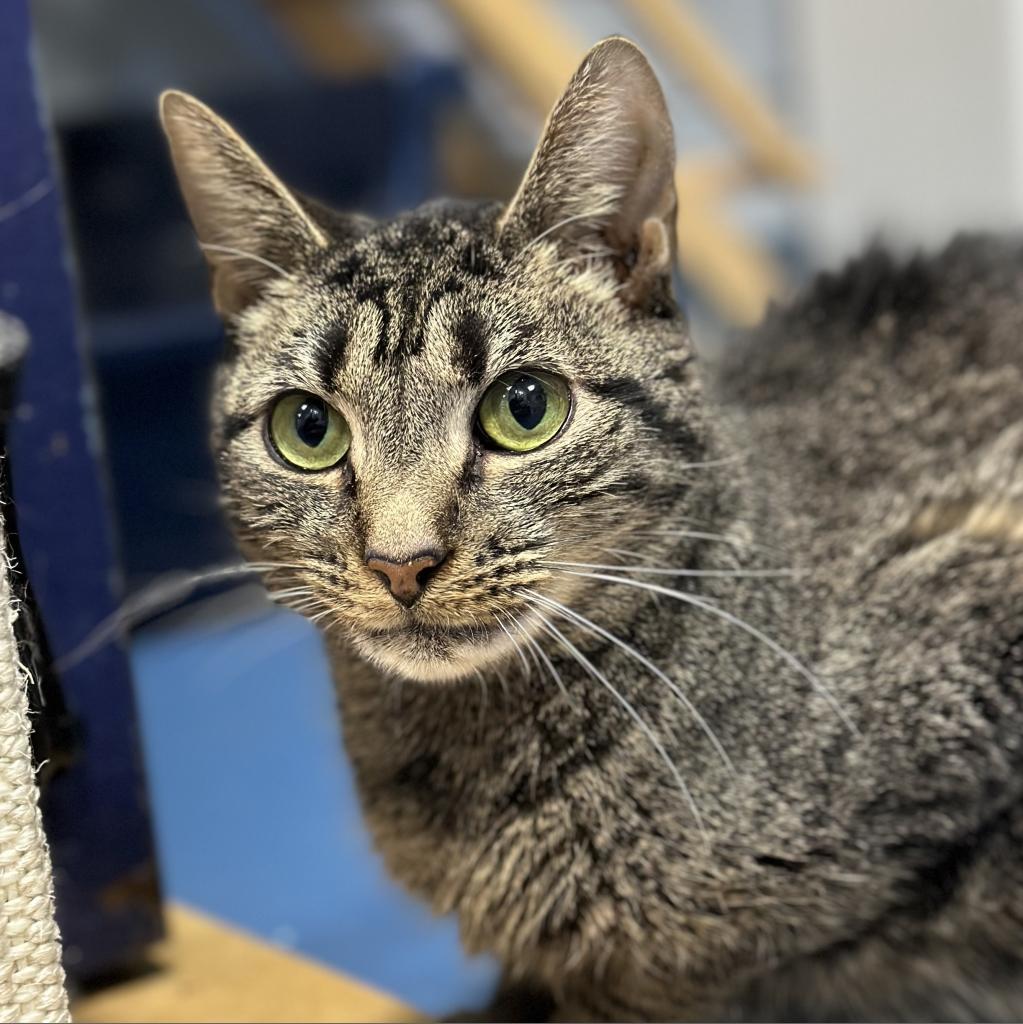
(419, 419)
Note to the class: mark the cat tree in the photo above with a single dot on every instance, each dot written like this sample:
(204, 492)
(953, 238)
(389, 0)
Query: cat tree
(31, 975)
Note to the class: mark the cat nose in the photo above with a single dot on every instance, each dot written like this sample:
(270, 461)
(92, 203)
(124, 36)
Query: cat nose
(407, 579)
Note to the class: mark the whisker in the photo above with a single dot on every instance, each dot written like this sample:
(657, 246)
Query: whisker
(622, 553)
(633, 714)
(307, 603)
(726, 573)
(502, 679)
(305, 609)
(554, 673)
(742, 624)
(676, 690)
(322, 614)
(483, 705)
(516, 624)
(337, 622)
(702, 535)
(726, 460)
(518, 650)
(160, 595)
(590, 214)
(283, 595)
(242, 255)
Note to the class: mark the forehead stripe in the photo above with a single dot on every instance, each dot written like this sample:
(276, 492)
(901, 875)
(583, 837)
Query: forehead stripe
(469, 353)
(330, 355)
(417, 314)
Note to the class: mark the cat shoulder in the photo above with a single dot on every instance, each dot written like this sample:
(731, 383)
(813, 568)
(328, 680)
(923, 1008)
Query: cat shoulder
(880, 308)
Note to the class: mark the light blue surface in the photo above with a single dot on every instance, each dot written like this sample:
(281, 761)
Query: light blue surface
(256, 817)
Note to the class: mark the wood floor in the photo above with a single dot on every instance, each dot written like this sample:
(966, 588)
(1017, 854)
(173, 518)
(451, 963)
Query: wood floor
(208, 971)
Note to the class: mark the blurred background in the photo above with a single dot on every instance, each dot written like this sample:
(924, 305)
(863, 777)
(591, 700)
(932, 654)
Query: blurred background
(207, 733)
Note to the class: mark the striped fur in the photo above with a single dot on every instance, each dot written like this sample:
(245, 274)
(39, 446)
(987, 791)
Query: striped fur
(783, 784)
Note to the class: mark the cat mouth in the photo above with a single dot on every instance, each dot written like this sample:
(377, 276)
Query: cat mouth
(425, 633)
(419, 651)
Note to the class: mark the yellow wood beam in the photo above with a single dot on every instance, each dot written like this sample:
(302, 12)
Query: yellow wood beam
(526, 41)
(735, 274)
(696, 54)
(329, 38)
(210, 971)
(529, 44)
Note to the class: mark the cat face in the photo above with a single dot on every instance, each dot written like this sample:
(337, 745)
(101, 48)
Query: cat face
(420, 419)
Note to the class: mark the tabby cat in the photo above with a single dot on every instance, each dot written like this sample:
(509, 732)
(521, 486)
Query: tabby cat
(692, 693)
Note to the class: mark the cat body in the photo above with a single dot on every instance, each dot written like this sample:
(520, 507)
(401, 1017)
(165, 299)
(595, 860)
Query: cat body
(710, 705)
(861, 860)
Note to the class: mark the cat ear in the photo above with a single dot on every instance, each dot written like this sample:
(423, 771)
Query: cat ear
(250, 227)
(602, 178)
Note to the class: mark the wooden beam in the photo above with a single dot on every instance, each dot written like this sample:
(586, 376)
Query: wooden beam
(526, 41)
(697, 55)
(328, 37)
(732, 271)
(210, 971)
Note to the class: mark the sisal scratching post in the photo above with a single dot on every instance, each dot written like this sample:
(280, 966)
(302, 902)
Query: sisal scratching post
(31, 975)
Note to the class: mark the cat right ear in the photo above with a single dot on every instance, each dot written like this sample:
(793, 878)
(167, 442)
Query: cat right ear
(602, 180)
(250, 226)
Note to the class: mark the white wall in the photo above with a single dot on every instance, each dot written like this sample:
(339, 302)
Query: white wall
(916, 109)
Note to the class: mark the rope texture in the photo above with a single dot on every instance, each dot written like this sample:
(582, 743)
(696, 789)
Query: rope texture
(31, 976)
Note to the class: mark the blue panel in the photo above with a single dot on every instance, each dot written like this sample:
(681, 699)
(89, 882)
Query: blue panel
(255, 811)
(95, 811)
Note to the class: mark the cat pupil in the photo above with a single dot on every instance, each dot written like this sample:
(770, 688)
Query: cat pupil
(311, 422)
(527, 401)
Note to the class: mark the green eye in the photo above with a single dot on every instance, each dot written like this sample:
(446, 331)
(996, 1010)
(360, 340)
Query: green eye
(307, 432)
(522, 411)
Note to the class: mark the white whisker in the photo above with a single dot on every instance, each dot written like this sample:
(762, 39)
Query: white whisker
(517, 626)
(483, 705)
(734, 620)
(518, 650)
(622, 553)
(702, 535)
(589, 624)
(554, 673)
(161, 595)
(632, 713)
(502, 679)
(726, 573)
(554, 227)
(242, 255)
(283, 595)
(725, 460)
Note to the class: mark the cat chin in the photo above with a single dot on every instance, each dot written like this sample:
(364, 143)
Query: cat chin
(462, 661)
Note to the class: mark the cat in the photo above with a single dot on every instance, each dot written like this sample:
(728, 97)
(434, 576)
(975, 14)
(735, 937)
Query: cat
(695, 692)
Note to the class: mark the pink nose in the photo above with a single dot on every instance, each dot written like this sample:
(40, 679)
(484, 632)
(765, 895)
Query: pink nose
(406, 580)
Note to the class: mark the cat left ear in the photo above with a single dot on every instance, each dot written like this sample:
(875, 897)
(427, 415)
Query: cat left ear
(601, 181)
(250, 226)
